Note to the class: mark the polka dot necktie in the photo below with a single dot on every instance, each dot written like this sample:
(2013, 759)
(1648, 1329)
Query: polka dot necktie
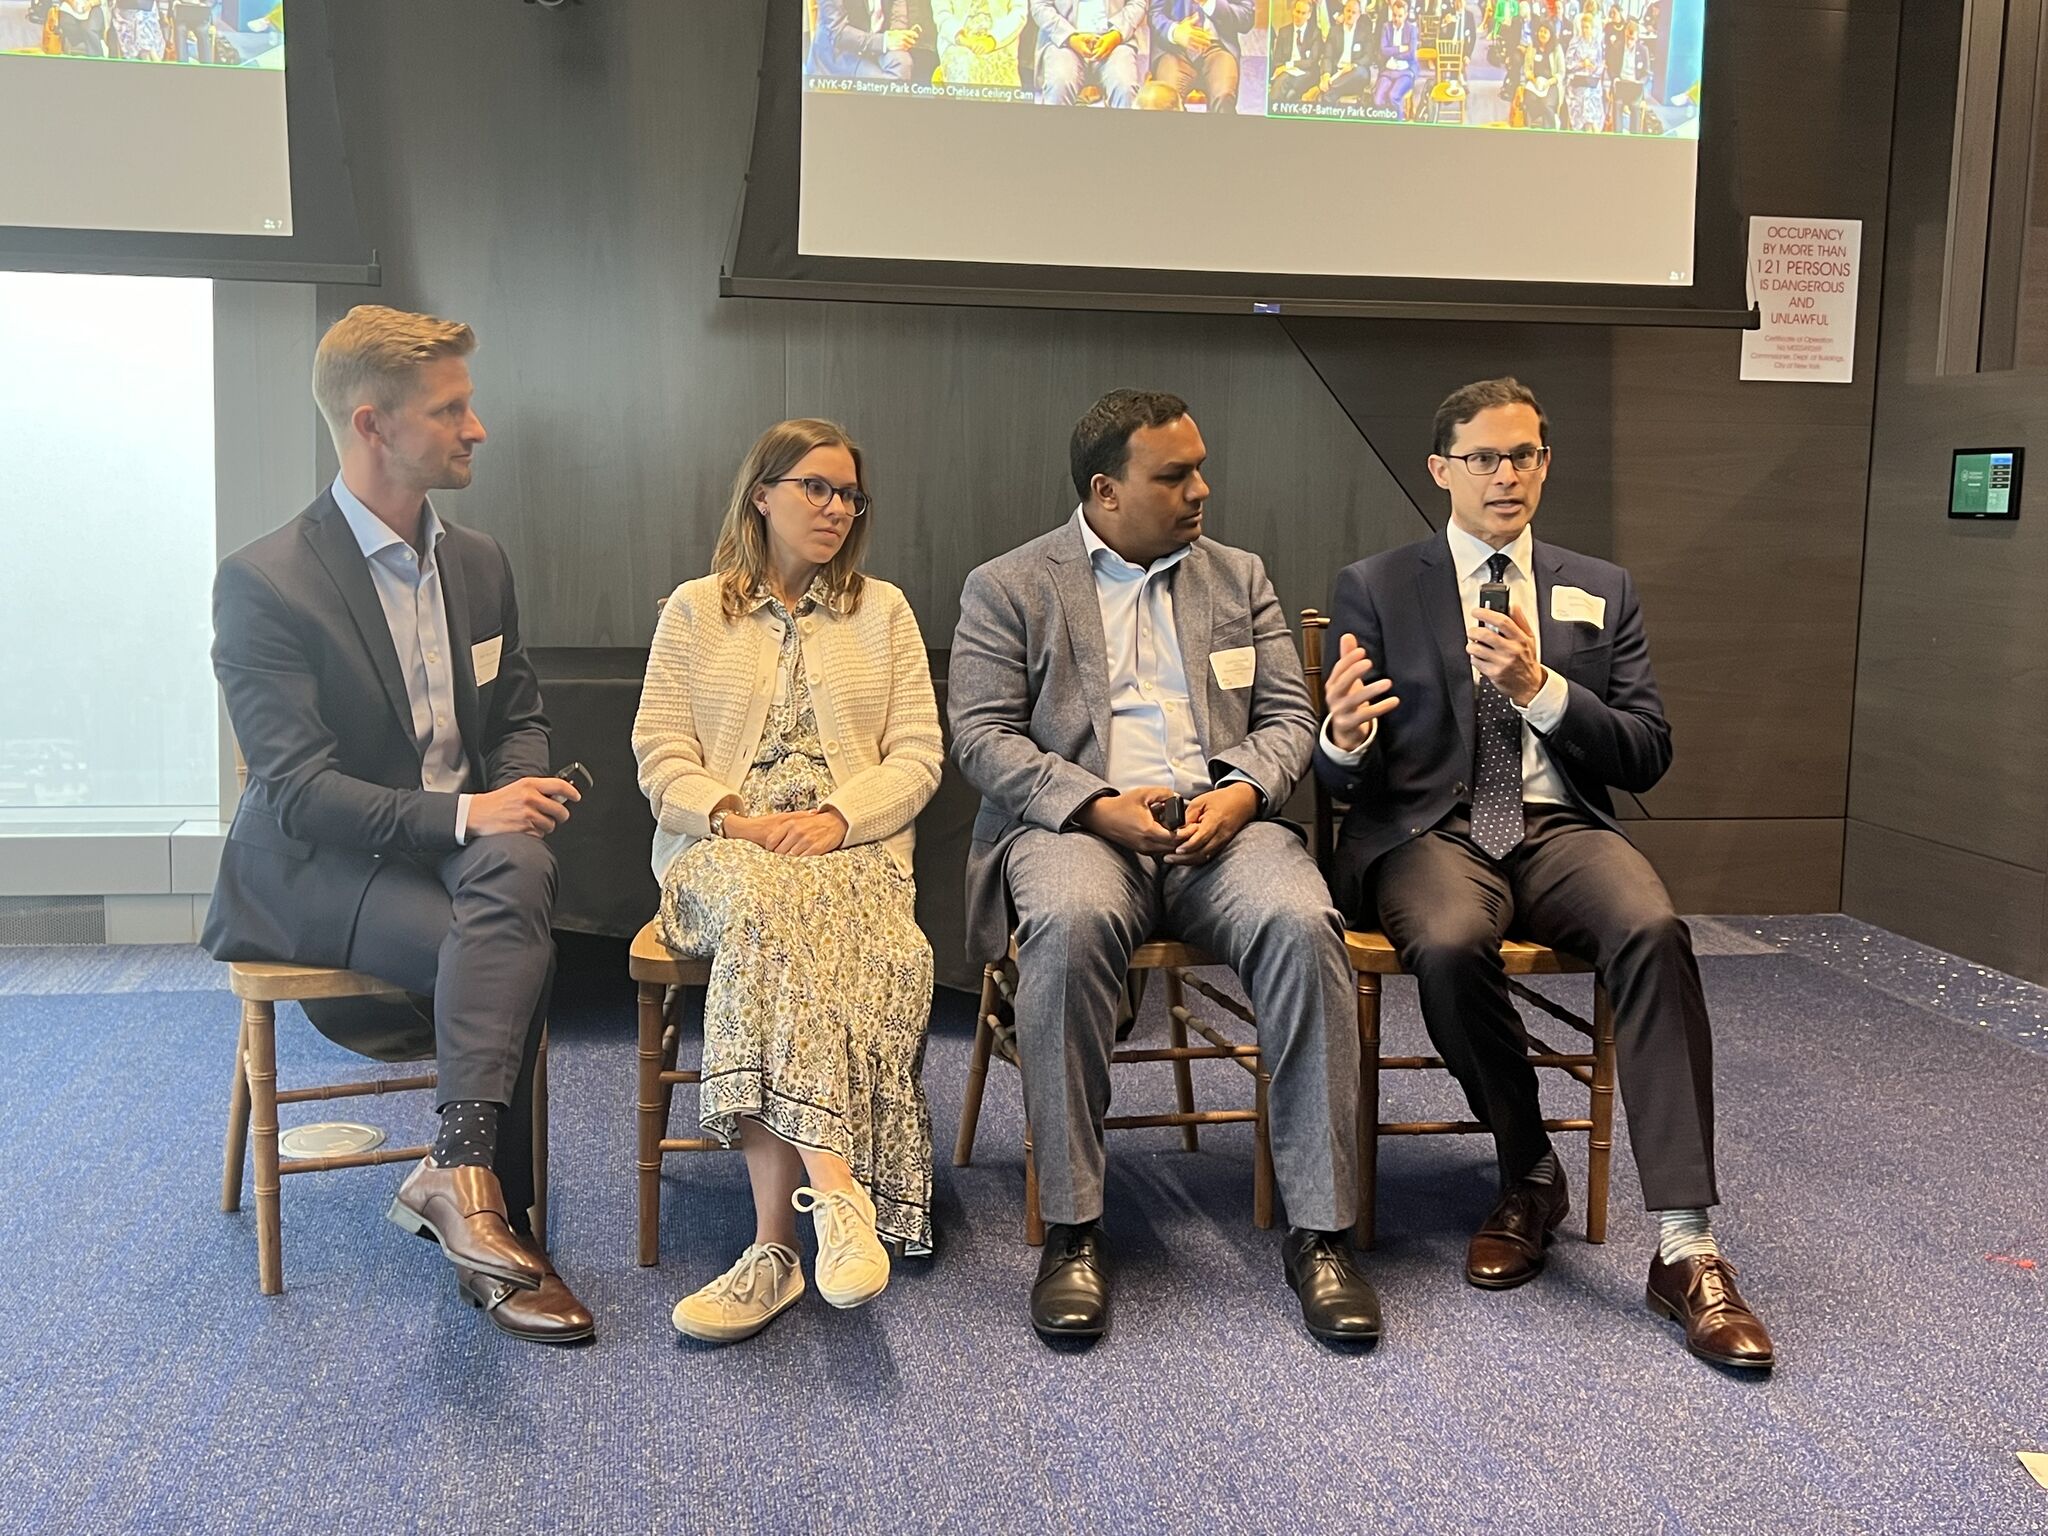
(1497, 759)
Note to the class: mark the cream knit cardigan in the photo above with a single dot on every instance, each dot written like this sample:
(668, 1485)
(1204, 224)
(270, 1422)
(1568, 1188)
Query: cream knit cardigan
(705, 704)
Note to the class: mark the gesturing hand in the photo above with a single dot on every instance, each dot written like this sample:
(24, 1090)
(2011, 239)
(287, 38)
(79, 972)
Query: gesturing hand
(1127, 820)
(1355, 703)
(1213, 820)
(1503, 648)
(524, 805)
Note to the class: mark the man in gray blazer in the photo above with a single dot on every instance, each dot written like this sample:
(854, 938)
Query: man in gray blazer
(1099, 672)
(399, 793)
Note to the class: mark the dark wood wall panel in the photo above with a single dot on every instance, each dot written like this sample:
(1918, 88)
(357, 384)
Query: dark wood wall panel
(1949, 777)
(1720, 864)
(543, 177)
(967, 413)
(1988, 910)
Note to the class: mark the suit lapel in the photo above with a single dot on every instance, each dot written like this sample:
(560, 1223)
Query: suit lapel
(1194, 625)
(336, 546)
(455, 599)
(1073, 579)
(1558, 639)
(1436, 585)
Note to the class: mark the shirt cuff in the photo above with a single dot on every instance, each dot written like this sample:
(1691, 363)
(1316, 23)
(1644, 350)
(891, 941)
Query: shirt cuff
(462, 820)
(1239, 776)
(1356, 755)
(1547, 708)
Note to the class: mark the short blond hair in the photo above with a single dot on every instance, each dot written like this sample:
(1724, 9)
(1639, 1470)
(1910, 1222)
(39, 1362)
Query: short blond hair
(371, 356)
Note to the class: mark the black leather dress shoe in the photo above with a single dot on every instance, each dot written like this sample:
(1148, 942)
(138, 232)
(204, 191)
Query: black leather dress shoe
(1508, 1250)
(1337, 1302)
(1070, 1299)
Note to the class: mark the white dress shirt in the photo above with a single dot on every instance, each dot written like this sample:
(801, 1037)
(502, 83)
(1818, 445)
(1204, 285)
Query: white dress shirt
(408, 588)
(1470, 555)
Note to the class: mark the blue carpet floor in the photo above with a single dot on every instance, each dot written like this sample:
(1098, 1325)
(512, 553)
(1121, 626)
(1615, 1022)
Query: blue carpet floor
(1881, 1152)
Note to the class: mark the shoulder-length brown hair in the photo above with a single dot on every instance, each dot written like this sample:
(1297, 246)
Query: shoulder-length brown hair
(741, 560)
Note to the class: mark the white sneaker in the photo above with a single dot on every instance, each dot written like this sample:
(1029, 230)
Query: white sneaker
(853, 1266)
(745, 1299)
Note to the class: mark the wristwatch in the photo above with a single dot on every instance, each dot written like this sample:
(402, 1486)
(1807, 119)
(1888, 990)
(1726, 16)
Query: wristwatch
(718, 822)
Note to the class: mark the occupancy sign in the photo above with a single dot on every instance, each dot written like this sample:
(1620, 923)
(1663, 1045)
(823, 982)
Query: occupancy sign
(1802, 275)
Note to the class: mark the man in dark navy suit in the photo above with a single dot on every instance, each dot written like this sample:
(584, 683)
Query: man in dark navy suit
(1477, 742)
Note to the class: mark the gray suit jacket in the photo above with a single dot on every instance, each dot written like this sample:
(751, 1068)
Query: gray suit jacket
(304, 657)
(1028, 696)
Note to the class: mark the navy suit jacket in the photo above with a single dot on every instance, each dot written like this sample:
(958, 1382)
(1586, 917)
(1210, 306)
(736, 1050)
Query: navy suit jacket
(1403, 607)
(305, 660)
(1233, 18)
(1309, 59)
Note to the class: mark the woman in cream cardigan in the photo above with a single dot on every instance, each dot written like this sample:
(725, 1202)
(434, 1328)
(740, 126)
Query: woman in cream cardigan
(787, 738)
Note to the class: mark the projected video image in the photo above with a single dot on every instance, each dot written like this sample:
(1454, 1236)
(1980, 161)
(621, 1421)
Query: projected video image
(1588, 66)
(1165, 55)
(1584, 66)
(219, 33)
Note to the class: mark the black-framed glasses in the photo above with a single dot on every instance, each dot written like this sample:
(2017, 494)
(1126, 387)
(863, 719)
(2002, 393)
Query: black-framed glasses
(1484, 461)
(819, 492)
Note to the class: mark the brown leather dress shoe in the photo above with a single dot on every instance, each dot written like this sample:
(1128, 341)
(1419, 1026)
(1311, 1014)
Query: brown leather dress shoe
(463, 1209)
(549, 1315)
(1508, 1250)
(1701, 1294)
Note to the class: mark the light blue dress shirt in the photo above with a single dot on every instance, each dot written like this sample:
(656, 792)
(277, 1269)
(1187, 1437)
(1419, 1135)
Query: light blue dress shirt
(408, 586)
(1151, 724)
(1152, 736)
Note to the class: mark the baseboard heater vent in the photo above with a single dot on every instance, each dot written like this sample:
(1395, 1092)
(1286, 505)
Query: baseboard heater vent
(28, 920)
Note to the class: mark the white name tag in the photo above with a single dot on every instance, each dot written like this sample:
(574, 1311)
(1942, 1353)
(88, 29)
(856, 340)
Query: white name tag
(1235, 669)
(483, 658)
(1573, 605)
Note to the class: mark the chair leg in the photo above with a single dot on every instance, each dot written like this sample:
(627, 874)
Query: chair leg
(259, 1029)
(1368, 1109)
(1262, 1154)
(1034, 1224)
(538, 1215)
(977, 1071)
(238, 1126)
(1600, 1144)
(671, 1048)
(649, 1121)
(1183, 1070)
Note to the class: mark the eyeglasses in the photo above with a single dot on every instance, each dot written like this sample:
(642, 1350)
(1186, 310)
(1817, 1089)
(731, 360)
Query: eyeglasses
(1485, 461)
(819, 493)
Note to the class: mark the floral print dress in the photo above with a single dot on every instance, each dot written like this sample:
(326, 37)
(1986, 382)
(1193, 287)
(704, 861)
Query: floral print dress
(821, 980)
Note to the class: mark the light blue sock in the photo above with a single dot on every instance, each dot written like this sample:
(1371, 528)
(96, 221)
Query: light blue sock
(1685, 1235)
